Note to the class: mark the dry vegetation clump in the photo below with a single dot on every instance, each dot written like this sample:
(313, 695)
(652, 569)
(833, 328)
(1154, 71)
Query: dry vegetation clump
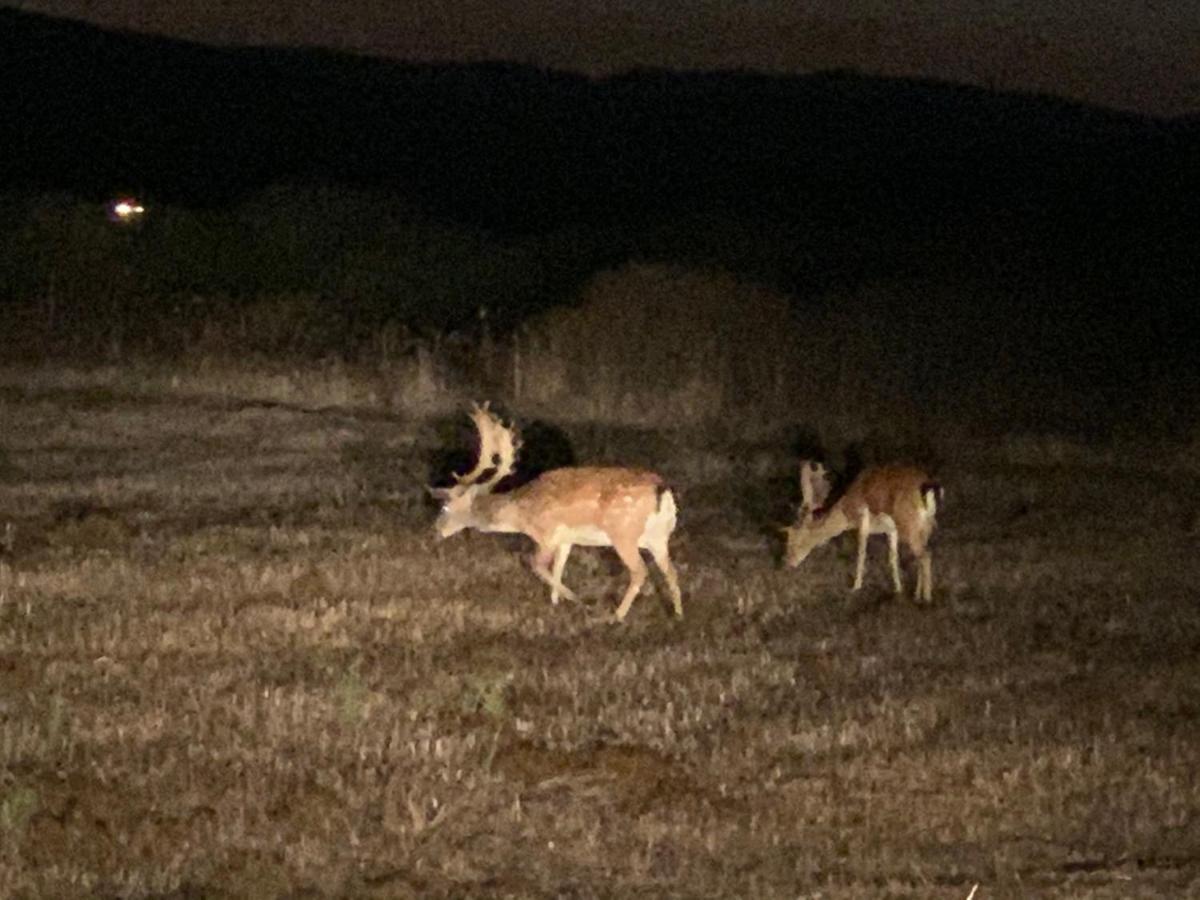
(234, 662)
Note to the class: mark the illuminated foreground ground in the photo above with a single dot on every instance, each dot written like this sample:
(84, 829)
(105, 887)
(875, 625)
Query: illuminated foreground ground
(234, 663)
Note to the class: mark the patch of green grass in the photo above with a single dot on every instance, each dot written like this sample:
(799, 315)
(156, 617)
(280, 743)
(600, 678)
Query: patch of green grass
(487, 693)
(17, 806)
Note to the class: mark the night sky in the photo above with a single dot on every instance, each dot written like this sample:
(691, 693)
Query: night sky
(1142, 56)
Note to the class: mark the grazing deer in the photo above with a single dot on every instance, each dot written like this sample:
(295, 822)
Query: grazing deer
(626, 509)
(899, 501)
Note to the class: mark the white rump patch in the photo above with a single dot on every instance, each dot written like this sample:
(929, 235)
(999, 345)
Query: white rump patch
(583, 535)
(661, 523)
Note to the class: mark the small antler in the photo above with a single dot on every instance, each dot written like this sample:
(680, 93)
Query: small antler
(815, 486)
(498, 446)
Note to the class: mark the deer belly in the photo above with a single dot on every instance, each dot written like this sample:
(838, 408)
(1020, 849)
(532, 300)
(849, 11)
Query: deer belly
(583, 535)
(882, 523)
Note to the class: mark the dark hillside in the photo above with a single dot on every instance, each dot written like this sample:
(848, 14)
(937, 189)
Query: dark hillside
(521, 148)
(1057, 238)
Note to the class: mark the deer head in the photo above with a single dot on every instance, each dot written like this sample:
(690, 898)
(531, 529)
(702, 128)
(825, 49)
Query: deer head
(816, 485)
(498, 446)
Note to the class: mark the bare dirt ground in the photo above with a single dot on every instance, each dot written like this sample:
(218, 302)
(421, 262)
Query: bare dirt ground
(235, 663)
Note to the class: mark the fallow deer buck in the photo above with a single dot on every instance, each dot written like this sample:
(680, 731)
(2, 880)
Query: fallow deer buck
(898, 501)
(629, 510)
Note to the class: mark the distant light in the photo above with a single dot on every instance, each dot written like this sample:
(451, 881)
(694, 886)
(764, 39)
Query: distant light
(125, 210)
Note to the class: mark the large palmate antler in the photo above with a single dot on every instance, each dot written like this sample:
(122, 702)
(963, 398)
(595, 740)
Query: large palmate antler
(498, 446)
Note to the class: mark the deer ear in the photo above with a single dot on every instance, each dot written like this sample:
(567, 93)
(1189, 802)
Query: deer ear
(438, 493)
(815, 484)
(806, 482)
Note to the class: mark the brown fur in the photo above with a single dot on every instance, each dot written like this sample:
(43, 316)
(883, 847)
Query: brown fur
(626, 509)
(890, 499)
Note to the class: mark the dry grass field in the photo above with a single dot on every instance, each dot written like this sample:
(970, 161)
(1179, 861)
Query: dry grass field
(234, 662)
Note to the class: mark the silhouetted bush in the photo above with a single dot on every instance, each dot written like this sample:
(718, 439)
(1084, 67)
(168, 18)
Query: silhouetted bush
(695, 321)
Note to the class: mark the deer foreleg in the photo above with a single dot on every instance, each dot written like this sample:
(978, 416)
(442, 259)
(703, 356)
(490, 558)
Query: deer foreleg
(557, 586)
(540, 563)
(864, 532)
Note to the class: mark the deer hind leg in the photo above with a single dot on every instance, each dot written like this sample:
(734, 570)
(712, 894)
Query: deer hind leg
(632, 557)
(662, 558)
(919, 544)
(540, 564)
(925, 577)
(894, 560)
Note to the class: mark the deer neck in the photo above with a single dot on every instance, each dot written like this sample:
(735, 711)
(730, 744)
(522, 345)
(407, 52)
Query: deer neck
(829, 524)
(496, 513)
